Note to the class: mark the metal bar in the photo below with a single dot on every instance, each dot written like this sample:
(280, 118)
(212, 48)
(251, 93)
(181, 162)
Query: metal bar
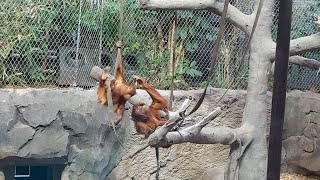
(279, 89)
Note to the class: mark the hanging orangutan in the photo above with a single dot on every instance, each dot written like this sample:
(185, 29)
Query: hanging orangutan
(148, 118)
(120, 91)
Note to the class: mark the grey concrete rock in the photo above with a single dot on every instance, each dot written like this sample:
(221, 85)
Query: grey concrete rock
(47, 142)
(74, 121)
(8, 111)
(46, 123)
(39, 114)
(302, 133)
(43, 123)
(20, 135)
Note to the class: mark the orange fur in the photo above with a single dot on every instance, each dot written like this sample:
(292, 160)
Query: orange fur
(102, 93)
(120, 91)
(147, 118)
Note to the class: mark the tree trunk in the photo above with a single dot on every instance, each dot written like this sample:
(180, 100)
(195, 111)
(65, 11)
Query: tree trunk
(253, 164)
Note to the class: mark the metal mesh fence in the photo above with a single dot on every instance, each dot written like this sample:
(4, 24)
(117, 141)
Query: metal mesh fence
(302, 78)
(53, 43)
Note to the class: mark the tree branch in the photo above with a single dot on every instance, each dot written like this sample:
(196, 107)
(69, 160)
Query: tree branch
(234, 15)
(174, 119)
(305, 62)
(194, 134)
(221, 135)
(305, 44)
(300, 61)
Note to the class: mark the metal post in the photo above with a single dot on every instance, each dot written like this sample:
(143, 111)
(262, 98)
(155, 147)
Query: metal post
(279, 89)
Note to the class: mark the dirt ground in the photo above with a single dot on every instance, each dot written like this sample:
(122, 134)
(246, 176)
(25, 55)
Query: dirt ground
(287, 176)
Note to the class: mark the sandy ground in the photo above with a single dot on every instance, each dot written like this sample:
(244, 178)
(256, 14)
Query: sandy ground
(287, 176)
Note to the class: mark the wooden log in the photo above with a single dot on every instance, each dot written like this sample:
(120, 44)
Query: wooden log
(96, 73)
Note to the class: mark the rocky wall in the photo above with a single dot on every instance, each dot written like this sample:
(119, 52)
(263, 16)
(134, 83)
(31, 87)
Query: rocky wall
(70, 124)
(301, 136)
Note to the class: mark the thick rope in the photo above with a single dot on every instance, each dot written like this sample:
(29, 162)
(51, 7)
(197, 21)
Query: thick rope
(214, 54)
(173, 63)
(121, 20)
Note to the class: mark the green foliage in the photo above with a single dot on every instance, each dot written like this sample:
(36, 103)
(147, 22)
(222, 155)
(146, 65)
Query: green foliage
(153, 56)
(190, 68)
(12, 31)
(23, 27)
(155, 67)
(307, 26)
(24, 24)
(15, 79)
(302, 21)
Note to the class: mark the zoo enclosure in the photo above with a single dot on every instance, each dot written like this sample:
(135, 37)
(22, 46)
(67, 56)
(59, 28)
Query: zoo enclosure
(52, 43)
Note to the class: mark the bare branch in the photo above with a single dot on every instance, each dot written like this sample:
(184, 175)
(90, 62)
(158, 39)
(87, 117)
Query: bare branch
(305, 62)
(234, 15)
(174, 118)
(198, 126)
(193, 134)
(221, 135)
(300, 61)
(196, 133)
(305, 44)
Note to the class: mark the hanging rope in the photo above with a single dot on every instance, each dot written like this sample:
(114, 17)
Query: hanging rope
(173, 62)
(119, 44)
(214, 54)
(101, 29)
(121, 20)
(246, 50)
(118, 60)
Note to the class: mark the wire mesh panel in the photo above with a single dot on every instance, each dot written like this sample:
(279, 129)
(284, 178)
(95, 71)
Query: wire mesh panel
(303, 12)
(54, 43)
(49, 43)
(302, 25)
(149, 37)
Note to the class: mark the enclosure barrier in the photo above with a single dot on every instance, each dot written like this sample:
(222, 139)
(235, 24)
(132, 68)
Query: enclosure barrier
(55, 44)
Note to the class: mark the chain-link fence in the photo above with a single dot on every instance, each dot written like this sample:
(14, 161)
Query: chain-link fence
(298, 77)
(54, 43)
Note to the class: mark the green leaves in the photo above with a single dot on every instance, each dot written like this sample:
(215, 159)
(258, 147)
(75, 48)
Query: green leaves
(182, 33)
(211, 36)
(192, 46)
(186, 15)
(191, 69)
(152, 72)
